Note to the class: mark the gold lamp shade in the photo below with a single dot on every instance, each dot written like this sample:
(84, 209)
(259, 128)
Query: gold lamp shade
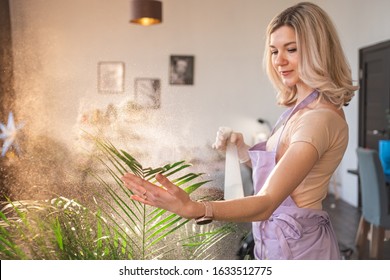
(145, 12)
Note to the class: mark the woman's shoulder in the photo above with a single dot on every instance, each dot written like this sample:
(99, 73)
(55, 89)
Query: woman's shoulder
(314, 119)
(324, 112)
(322, 127)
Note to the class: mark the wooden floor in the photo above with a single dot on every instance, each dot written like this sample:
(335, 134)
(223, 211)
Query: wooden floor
(345, 219)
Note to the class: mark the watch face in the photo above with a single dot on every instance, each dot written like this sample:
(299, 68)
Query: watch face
(203, 221)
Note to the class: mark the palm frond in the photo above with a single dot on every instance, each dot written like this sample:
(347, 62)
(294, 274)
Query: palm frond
(115, 227)
(154, 226)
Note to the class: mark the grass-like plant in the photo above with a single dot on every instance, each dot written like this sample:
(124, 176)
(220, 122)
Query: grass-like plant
(115, 227)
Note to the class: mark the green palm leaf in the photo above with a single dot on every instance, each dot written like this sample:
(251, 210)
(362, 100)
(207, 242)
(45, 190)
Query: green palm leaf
(115, 227)
(154, 227)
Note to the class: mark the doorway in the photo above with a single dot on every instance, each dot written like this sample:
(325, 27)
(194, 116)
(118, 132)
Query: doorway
(374, 94)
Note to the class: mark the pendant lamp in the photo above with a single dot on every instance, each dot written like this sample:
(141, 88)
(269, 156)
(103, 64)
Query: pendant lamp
(145, 12)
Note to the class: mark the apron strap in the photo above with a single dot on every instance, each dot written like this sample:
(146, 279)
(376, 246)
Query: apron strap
(290, 112)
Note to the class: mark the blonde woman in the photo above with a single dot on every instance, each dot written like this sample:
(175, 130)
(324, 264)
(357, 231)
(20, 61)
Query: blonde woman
(291, 171)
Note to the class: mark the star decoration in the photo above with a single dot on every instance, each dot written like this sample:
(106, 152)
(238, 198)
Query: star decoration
(9, 133)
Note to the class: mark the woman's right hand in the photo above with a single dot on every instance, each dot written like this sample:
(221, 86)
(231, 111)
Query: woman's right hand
(166, 196)
(225, 135)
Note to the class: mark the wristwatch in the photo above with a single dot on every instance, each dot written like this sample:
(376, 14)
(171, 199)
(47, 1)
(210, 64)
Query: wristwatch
(208, 216)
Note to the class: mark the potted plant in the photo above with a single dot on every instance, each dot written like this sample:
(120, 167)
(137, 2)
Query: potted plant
(112, 226)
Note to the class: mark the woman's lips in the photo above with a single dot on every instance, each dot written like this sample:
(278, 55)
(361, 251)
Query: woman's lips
(285, 73)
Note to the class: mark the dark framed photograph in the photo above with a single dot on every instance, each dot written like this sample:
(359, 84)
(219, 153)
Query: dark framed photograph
(111, 76)
(147, 93)
(181, 71)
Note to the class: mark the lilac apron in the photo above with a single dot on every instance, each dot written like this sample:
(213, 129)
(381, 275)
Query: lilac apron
(291, 232)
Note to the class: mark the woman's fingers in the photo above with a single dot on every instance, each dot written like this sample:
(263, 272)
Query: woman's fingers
(142, 200)
(140, 188)
(165, 195)
(145, 191)
(166, 184)
(236, 138)
(135, 184)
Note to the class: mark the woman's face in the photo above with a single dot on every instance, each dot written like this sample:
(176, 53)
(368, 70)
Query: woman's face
(284, 55)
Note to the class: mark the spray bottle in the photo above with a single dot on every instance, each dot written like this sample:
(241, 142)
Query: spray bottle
(233, 187)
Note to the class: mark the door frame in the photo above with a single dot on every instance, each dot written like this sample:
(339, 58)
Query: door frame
(362, 90)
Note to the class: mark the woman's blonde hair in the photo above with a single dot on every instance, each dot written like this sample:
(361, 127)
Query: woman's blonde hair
(323, 65)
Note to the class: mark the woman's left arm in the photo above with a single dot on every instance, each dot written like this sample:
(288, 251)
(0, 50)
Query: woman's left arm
(289, 172)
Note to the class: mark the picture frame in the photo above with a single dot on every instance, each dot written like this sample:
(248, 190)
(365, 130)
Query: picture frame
(111, 77)
(181, 70)
(147, 93)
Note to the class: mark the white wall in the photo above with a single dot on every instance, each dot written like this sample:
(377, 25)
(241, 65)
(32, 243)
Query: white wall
(59, 43)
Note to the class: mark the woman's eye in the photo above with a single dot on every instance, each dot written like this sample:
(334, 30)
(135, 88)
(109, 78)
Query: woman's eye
(292, 50)
(274, 52)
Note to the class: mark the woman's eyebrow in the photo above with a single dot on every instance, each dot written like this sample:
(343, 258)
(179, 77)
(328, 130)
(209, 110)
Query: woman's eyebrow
(285, 45)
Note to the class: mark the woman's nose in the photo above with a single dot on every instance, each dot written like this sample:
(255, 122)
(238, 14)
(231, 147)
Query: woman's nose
(280, 59)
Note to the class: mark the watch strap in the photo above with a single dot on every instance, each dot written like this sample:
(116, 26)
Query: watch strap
(208, 216)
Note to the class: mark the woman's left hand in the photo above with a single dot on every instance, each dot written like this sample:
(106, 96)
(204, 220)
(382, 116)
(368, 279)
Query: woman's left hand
(168, 196)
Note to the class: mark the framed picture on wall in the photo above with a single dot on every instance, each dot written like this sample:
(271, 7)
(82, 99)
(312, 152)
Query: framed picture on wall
(181, 70)
(147, 93)
(111, 77)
